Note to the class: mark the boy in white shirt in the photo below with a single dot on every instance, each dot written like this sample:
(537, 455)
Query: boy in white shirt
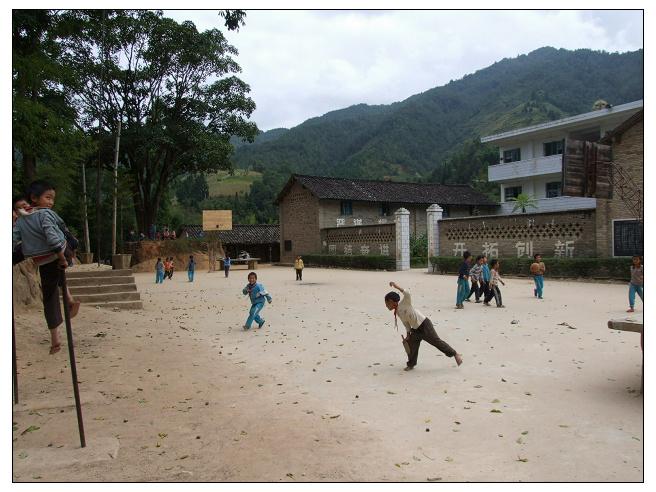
(418, 327)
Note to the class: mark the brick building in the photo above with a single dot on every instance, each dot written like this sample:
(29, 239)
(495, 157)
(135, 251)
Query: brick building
(619, 219)
(309, 205)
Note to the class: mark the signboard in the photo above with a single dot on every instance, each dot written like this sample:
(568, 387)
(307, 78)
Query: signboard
(217, 220)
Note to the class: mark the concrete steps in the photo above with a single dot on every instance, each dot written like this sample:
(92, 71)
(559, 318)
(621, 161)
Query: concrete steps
(105, 288)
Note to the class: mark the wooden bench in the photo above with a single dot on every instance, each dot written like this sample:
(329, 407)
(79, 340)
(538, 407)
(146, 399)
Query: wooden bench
(251, 263)
(636, 327)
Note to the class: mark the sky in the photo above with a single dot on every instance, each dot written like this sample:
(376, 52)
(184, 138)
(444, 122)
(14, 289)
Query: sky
(302, 64)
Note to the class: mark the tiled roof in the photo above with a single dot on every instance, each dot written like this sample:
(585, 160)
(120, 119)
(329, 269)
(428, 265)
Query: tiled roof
(387, 191)
(240, 234)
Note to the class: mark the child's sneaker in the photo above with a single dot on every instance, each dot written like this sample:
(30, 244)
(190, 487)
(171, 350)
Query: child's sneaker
(467, 300)
(460, 306)
(478, 301)
(247, 327)
(260, 325)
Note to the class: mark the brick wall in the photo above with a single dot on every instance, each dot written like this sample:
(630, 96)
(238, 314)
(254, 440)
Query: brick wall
(368, 213)
(628, 152)
(299, 222)
(570, 233)
(360, 240)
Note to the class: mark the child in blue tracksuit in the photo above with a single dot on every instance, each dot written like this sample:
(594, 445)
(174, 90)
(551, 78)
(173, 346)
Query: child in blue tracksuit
(463, 280)
(159, 271)
(191, 268)
(486, 275)
(258, 294)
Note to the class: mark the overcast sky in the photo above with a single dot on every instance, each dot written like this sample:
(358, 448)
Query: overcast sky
(301, 64)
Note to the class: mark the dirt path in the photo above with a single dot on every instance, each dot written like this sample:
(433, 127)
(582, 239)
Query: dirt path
(179, 392)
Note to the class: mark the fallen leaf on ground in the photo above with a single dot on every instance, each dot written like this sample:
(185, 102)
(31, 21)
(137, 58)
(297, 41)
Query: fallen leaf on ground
(31, 428)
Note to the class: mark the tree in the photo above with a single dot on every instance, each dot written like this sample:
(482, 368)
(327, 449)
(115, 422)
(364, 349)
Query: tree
(44, 129)
(522, 201)
(172, 87)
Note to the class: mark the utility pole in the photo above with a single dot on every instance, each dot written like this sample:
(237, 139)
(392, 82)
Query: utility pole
(87, 242)
(116, 150)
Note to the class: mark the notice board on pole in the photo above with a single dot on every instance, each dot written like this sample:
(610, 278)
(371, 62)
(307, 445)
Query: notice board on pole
(217, 220)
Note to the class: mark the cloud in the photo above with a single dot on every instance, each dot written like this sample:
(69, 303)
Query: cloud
(302, 64)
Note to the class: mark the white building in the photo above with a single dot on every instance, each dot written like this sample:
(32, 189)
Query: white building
(531, 158)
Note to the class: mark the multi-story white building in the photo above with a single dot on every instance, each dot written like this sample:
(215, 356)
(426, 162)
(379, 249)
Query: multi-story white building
(531, 158)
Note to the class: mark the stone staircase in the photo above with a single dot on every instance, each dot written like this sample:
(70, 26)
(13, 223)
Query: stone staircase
(105, 288)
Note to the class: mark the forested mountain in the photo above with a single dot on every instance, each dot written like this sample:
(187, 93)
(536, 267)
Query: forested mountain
(410, 139)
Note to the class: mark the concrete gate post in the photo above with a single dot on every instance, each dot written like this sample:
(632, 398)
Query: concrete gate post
(433, 216)
(402, 220)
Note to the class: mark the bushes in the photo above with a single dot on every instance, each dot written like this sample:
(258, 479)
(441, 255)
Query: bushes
(611, 268)
(363, 262)
(418, 262)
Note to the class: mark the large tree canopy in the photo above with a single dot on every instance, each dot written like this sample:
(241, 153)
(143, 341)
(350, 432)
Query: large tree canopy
(173, 88)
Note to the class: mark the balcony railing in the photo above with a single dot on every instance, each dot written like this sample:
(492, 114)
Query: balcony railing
(557, 204)
(537, 166)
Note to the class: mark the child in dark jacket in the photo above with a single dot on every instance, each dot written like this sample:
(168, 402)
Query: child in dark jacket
(42, 234)
(463, 280)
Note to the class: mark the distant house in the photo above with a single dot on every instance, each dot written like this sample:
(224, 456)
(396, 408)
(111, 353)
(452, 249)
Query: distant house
(309, 204)
(260, 240)
(531, 158)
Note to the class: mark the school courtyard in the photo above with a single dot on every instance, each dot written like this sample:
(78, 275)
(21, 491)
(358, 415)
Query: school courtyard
(179, 391)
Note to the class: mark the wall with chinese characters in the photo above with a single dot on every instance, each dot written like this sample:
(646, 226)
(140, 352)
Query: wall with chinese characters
(557, 234)
(369, 213)
(360, 240)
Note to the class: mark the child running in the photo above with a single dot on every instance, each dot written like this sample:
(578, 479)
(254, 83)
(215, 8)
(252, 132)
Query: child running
(159, 271)
(475, 274)
(637, 281)
(191, 268)
(42, 233)
(537, 270)
(418, 327)
(494, 285)
(463, 283)
(257, 294)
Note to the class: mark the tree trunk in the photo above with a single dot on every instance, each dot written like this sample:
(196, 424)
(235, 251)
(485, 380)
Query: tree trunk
(29, 169)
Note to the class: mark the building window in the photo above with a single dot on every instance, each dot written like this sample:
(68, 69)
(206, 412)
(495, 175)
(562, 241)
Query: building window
(511, 192)
(288, 244)
(627, 238)
(346, 207)
(553, 148)
(512, 155)
(554, 189)
(385, 209)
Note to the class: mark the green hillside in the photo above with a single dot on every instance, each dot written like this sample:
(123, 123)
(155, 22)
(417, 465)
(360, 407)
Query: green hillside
(225, 184)
(410, 139)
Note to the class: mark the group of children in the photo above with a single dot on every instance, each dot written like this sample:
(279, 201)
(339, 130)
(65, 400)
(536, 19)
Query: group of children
(164, 269)
(485, 281)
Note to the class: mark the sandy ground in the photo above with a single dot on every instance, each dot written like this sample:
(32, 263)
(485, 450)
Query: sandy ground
(179, 392)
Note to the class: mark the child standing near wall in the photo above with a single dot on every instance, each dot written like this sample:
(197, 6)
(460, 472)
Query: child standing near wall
(537, 270)
(226, 264)
(475, 274)
(191, 268)
(637, 281)
(463, 280)
(159, 271)
(298, 266)
(257, 294)
(494, 285)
